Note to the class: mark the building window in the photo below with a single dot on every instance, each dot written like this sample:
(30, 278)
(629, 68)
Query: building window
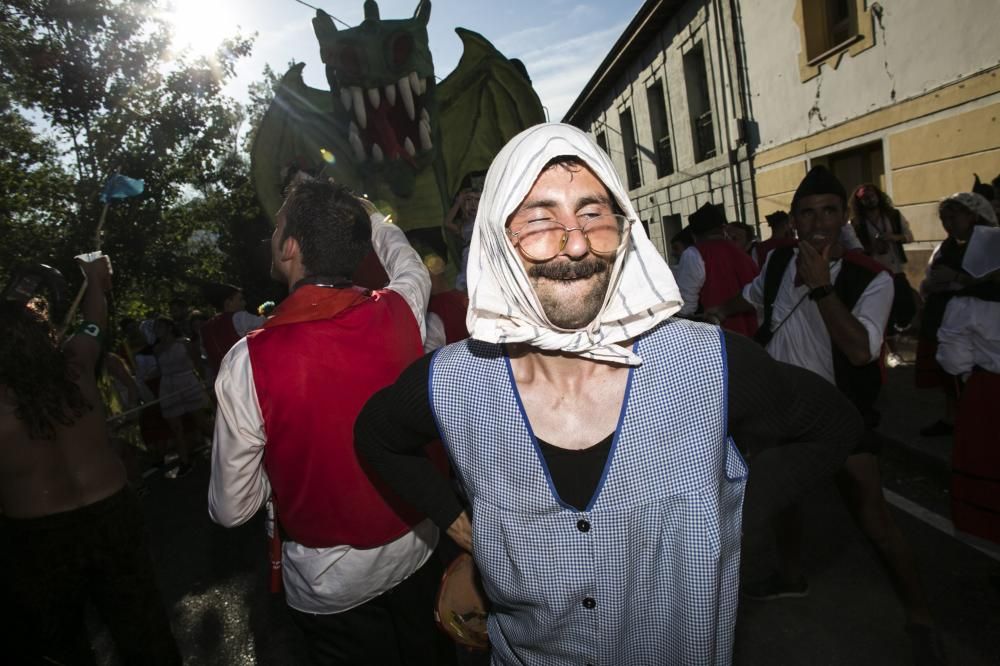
(831, 29)
(699, 104)
(828, 24)
(602, 141)
(631, 151)
(661, 129)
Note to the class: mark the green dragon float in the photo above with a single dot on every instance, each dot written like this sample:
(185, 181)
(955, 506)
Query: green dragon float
(387, 128)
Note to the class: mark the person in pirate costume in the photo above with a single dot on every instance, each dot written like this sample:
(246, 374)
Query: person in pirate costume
(356, 563)
(592, 432)
(959, 213)
(714, 270)
(72, 529)
(825, 309)
(969, 350)
(882, 231)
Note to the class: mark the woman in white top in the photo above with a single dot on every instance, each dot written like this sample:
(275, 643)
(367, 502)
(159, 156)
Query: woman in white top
(969, 349)
(181, 391)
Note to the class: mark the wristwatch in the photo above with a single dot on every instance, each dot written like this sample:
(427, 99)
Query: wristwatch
(820, 292)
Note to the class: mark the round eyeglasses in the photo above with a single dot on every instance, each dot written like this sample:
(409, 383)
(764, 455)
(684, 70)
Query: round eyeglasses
(541, 240)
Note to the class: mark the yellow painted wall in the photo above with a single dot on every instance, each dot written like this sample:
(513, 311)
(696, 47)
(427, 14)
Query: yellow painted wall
(956, 94)
(961, 134)
(933, 181)
(781, 179)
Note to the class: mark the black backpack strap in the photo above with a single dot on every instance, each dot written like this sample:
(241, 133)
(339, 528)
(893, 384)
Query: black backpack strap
(777, 263)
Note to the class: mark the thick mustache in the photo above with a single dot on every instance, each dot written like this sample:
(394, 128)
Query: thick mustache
(570, 270)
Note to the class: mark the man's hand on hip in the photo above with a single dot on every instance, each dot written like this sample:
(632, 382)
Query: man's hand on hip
(460, 531)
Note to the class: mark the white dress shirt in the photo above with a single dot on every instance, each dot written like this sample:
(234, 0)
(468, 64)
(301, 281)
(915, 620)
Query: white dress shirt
(317, 580)
(803, 339)
(690, 276)
(969, 336)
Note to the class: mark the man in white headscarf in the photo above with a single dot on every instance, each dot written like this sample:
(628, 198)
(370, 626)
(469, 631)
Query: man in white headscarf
(592, 434)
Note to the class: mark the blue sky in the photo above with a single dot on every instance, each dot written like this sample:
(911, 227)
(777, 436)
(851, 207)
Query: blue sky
(560, 41)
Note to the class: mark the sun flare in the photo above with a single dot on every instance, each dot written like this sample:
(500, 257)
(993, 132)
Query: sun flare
(198, 26)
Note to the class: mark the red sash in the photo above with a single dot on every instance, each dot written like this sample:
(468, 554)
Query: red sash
(316, 362)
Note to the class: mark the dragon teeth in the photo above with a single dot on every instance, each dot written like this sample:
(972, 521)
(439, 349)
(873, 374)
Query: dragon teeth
(425, 136)
(359, 107)
(406, 93)
(390, 94)
(354, 138)
(415, 83)
(425, 116)
(374, 98)
(377, 155)
(345, 98)
(408, 146)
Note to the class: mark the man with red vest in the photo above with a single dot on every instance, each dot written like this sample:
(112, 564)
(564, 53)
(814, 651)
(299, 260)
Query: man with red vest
(825, 309)
(221, 332)
(357, 568)
(714, 270)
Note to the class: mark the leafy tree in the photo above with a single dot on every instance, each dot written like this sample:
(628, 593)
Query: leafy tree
(108, 95)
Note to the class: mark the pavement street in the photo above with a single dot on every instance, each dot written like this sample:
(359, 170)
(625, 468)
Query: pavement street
(214, 579)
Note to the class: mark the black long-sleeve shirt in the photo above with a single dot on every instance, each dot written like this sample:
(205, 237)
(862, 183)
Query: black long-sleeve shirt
(795, 426)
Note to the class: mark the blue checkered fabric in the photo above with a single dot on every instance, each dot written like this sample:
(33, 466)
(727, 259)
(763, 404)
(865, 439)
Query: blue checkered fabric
(651, 576)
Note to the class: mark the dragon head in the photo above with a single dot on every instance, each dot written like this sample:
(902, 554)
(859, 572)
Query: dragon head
(382, 79)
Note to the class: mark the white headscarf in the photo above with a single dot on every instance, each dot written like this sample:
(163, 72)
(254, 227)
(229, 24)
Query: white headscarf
(982, 257)
(503, 306)
(977, 204)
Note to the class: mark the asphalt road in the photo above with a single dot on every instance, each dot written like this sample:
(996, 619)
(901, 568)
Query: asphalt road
(214, 579)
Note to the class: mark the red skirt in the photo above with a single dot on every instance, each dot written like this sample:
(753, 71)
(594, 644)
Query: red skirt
(975, 459)
(929, 373)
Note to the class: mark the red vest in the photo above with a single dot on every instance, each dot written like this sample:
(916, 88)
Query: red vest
(218, 335)
(727, 269)
(315, 363)
(451, 306)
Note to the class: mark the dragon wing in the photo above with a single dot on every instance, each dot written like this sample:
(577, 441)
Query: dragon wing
(482, 105)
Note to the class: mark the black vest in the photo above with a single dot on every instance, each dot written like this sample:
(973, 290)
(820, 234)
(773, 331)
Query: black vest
(895, 222)
(859, 383)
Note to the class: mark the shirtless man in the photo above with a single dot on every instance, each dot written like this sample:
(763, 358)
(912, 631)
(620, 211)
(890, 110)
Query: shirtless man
(73, 528)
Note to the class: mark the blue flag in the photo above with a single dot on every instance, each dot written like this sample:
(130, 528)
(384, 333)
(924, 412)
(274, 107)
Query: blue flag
(121, 187)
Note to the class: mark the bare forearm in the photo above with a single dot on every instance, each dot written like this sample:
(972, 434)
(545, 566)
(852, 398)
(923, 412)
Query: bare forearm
(95, 306)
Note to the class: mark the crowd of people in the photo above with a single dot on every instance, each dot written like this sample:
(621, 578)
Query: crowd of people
(578, 415)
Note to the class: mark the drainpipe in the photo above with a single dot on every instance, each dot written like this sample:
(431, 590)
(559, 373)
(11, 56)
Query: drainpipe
(744, 87)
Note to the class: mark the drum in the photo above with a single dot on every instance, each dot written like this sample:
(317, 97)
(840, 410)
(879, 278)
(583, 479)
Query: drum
(461, 606)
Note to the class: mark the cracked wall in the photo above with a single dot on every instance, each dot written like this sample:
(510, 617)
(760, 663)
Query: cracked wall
(920, 45)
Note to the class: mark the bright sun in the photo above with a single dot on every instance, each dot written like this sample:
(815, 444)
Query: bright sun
(199, 26)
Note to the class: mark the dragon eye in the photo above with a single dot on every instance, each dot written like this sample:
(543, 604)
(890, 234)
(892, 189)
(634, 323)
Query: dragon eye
(400, 48)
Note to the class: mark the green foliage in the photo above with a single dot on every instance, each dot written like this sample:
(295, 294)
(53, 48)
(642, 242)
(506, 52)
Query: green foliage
(104, 93)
